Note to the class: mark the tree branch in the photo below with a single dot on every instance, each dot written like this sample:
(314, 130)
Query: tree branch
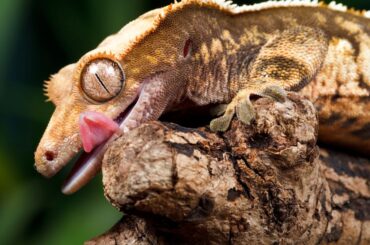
(265, 183)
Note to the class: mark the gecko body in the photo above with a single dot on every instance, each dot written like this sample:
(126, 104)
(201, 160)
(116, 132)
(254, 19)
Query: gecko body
(212, 52)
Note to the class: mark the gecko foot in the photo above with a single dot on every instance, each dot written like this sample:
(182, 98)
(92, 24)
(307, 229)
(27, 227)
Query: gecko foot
(240, 105)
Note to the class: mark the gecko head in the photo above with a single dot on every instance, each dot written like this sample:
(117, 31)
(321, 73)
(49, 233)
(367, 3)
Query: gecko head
(109, 91)
(92, 97)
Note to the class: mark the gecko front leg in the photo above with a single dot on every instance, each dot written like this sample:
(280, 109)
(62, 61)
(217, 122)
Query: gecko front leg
(286, 62)
(243, 108)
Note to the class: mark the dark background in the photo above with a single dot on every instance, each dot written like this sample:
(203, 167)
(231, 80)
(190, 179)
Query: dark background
(37, 38)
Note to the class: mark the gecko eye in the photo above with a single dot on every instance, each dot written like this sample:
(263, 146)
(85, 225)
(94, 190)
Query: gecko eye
(102, 79)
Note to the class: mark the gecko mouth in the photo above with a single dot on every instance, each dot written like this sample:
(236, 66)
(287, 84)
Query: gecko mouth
(148, 104)
(89, 164)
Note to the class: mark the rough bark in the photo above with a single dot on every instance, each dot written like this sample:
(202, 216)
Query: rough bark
(266, 183)
(129, 230)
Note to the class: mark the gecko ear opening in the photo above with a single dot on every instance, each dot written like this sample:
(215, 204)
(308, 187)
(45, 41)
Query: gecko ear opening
(59, 85)
(187, 48)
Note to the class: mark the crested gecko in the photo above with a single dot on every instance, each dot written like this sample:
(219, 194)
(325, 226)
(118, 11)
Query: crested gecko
(210, 52)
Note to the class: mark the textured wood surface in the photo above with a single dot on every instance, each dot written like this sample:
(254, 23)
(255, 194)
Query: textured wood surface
(267, 183)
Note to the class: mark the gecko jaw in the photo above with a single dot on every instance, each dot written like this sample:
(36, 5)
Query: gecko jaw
(89, 164)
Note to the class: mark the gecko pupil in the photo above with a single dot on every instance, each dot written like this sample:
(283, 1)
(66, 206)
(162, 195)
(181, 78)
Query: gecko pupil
(102, 79)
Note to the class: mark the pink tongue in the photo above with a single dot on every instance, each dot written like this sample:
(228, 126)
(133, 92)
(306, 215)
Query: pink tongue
(95, 128)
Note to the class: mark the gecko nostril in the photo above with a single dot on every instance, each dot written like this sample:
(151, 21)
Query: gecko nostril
(49, 155)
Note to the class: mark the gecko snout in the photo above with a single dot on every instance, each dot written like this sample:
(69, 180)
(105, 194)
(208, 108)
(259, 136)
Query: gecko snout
(46, 161)
(50, 158)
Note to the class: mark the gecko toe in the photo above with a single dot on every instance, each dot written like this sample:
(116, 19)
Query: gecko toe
(245, 111)
(221, 124)
(276, 93)
(218, 110)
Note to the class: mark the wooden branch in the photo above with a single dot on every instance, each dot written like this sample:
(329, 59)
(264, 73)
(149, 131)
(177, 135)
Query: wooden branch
(129, 230)
(266, 183)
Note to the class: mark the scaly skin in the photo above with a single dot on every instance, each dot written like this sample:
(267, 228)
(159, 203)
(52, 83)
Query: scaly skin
(209, 52)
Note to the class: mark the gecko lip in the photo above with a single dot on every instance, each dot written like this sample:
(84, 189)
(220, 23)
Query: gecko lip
(89, 164)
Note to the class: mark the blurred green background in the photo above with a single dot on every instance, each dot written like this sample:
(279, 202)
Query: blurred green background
(37, 39)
